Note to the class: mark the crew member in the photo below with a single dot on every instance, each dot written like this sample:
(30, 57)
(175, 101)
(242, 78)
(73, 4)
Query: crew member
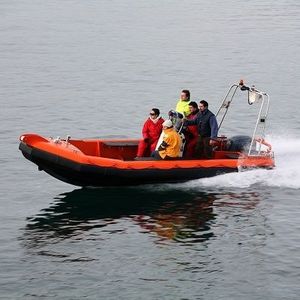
(182, 105)
(170, 146)
(191, 132)
(151, 131)
(207, 130)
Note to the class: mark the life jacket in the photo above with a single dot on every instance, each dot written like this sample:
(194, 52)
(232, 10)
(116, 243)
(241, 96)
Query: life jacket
(173, 141)
(183, 107)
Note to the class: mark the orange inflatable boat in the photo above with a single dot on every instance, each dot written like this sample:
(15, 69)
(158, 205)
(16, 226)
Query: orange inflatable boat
(103, 162)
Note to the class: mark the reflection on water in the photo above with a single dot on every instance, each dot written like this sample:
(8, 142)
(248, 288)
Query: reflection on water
(177, 215)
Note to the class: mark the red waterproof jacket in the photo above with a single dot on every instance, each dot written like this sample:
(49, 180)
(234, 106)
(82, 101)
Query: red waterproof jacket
(192, 129)
(191, 138)
(151, 132)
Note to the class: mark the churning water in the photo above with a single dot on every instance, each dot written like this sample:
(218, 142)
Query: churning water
(96, 68)
(285, 175)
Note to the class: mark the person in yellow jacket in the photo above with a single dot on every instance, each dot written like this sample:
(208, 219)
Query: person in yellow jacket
(170, 146)
(182, 105)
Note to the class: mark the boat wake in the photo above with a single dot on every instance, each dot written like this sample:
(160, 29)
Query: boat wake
(285, 175)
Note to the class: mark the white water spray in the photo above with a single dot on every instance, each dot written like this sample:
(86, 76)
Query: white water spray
(285, 175)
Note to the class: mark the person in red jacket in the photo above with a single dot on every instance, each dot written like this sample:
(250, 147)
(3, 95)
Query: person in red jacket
(191, 132)
(151, 132)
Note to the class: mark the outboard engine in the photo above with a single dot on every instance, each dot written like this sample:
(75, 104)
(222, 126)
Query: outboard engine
(240, 143)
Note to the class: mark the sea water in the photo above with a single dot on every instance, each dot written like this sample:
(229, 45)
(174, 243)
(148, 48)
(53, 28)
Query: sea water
(95, 69)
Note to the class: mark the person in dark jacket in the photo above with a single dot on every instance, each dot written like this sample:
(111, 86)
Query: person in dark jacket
(151, 131)
(207, 127)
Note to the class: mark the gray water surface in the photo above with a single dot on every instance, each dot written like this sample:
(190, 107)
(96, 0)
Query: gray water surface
(95, 69)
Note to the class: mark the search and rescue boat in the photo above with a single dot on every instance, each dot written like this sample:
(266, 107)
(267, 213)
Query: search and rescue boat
(111, 162)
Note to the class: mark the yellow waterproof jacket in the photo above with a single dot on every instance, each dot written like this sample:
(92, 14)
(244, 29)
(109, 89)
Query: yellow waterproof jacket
(183, 107)
(171, 144)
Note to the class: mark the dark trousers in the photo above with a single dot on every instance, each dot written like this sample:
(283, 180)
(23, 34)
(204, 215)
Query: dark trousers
(203, 149)
(155, 155)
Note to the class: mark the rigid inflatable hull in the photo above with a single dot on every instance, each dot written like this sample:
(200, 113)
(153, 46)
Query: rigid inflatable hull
(81, 174)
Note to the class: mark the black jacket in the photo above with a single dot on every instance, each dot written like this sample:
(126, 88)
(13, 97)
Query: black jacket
(206, 123)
